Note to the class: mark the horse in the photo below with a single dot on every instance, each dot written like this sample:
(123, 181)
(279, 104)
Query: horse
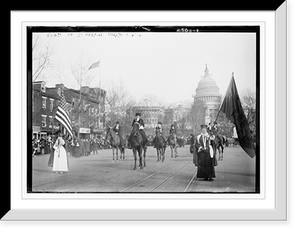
(160, 146)
(115, 143)
(219, 145)
(138, 146)
(173, 145)
(180, 142)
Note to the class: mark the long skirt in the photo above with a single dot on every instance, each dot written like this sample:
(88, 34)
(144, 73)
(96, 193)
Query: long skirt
(205, 167)
(76, 151)
(51, 157)
(60, 161)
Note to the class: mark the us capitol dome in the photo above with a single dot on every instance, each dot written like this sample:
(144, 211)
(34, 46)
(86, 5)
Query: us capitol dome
(207, 92)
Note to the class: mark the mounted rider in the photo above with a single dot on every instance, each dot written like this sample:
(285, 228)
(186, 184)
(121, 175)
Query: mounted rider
(158, 132)
(119, 131)
(138, 119)
(213, 131)
(173, 132)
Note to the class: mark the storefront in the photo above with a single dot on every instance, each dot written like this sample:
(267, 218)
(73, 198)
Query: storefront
(36, 132)
(96, 133)
(84, 133)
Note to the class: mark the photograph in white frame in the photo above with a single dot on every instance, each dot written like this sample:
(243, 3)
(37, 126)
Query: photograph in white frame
(107, 201)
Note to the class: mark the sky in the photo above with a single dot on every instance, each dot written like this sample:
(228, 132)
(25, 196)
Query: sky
(165, 65)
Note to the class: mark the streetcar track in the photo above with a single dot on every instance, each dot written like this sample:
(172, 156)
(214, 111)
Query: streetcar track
(153, 174)
(167, 179)
(190, 182)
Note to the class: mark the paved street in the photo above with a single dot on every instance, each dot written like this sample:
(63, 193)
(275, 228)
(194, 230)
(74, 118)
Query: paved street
(98, 173)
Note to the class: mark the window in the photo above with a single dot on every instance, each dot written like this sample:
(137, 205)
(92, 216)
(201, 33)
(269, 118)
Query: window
(44, 101)
(44, 120)
(51, 104)
(50, 121)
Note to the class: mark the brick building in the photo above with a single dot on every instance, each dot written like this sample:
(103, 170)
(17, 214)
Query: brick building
(85, 108)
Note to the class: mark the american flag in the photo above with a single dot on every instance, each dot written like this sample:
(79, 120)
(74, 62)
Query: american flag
(62, 115)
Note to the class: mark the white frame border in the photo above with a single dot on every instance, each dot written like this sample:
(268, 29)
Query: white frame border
(166, 209)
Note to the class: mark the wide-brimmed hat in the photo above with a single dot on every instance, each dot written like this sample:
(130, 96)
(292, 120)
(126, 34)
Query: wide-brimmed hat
(203, 126)
(159, 122)
(137, 114)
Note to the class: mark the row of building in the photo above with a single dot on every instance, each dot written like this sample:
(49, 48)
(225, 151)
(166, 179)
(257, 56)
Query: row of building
(86, 108)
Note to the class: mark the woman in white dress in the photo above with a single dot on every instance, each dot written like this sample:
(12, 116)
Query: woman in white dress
(60, 161)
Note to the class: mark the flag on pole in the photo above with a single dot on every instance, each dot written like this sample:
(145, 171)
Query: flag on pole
(233, 110)
(94, 65)
(62, 116)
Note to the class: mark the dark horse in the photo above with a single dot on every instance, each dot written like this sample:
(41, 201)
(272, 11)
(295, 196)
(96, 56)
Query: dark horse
(115, 143)
(138, 146)
(172, 141)
(160, 146)
(217, 144)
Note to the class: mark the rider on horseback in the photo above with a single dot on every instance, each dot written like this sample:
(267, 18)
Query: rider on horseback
(214, 131)
(173, 132)
(119, 131)
(158, 132)
(138, 119)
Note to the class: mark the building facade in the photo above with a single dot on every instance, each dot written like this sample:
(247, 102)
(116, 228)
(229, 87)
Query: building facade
(151, 116)
(85, 108)
(207, 93)
(43, 111)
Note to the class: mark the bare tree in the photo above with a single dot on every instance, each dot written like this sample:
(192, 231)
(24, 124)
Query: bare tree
(80, 70)
(196, 116)
(41, 56)
(248, 100)
(118, 106)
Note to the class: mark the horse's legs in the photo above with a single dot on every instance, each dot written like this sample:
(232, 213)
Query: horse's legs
(176, 153)
(140, 158)
(144, 155)
(113, 151)
(122, 152)
(157, 152)
(162, 154)
(171, 147)
(134, 156)
(222, 148)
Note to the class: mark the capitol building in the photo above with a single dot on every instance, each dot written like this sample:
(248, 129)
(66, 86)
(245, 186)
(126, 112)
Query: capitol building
(207, 94)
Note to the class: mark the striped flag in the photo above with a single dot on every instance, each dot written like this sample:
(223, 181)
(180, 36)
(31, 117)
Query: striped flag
(62, 116)
(94, 65)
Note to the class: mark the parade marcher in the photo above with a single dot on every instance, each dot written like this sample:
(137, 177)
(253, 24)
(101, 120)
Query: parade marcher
(192, 143)
(173, 132)
(203, 155)
(214, 135)
(76, 147)
(138, 119)
(119, 131)
(51, 157)
(158, 130)
(60, 160)
(88, 146)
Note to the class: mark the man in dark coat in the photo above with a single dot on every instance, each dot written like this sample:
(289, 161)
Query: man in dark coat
(119, 131)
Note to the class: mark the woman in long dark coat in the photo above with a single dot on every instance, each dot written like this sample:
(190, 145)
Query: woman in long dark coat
(203, 157)
(76, 147)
